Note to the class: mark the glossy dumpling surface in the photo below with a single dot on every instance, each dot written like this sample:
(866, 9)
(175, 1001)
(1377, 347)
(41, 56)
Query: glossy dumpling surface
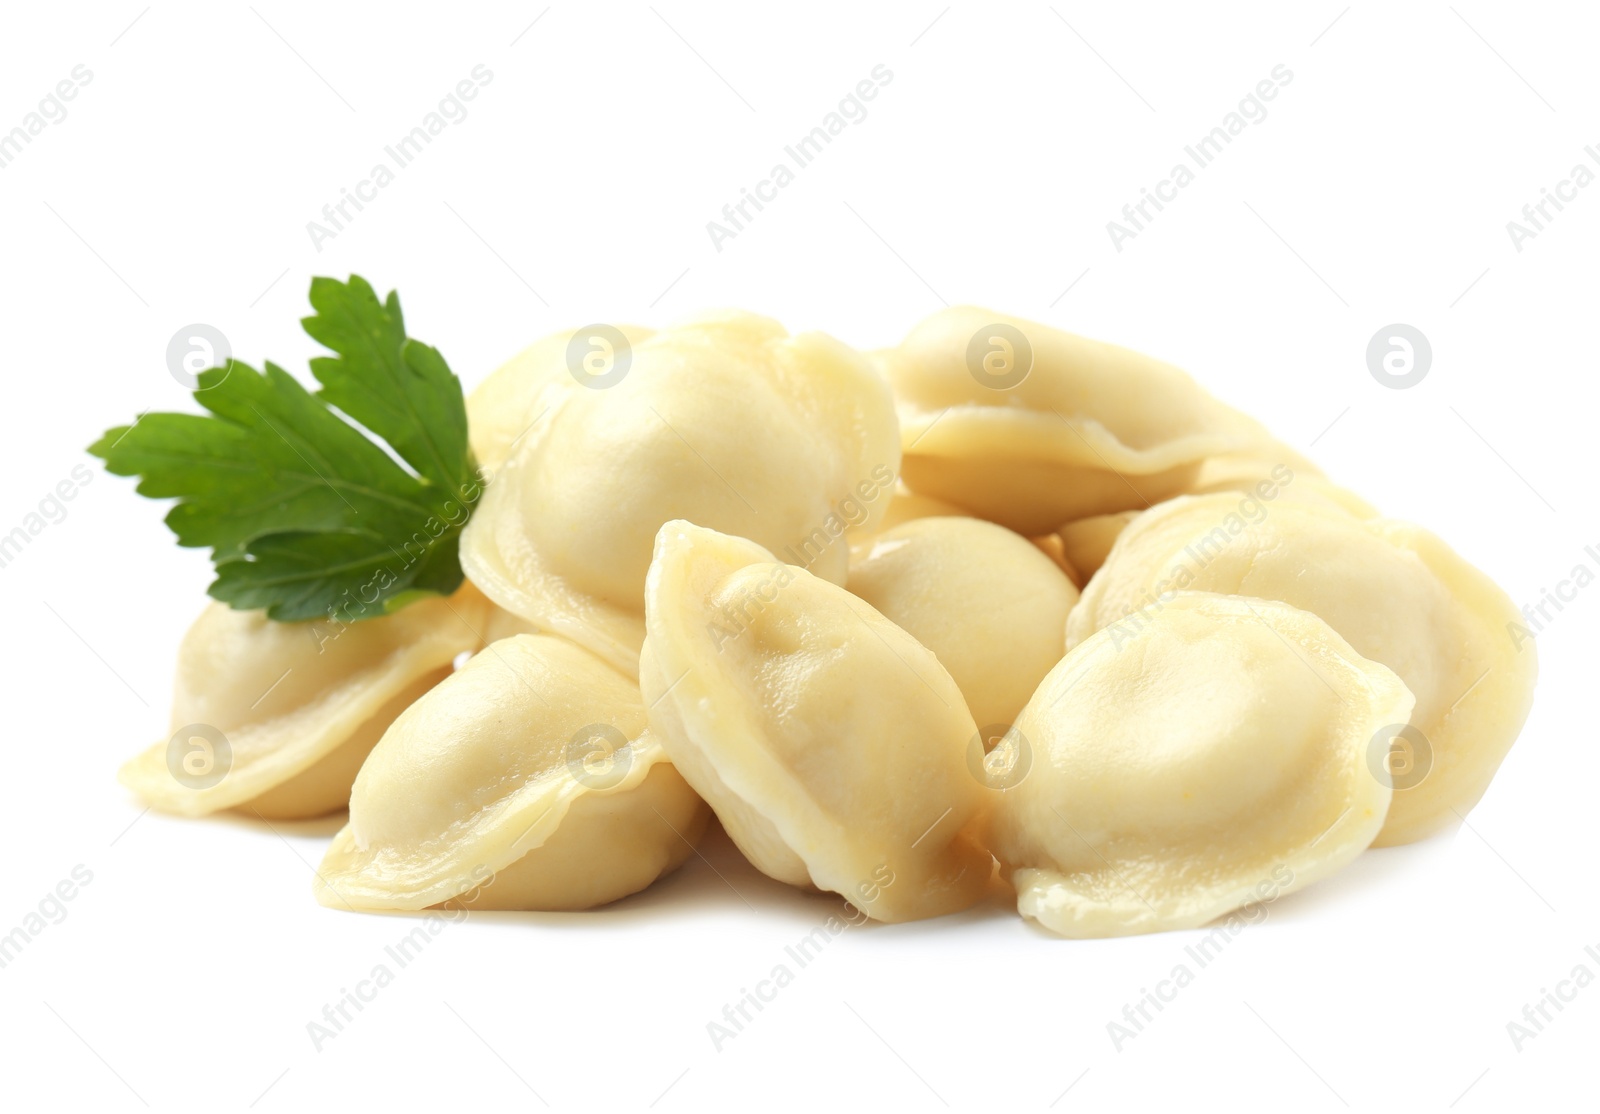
(831, 744)
(1258, 479)
(1268, 475)
(988, 602)
(1090, 428)
(727, 421)
(528, 779)
(1214, 757)
(277, 717)
(504, 408)
(1398, 594)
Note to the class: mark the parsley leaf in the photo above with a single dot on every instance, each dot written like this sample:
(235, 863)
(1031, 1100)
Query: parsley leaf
(306, 515)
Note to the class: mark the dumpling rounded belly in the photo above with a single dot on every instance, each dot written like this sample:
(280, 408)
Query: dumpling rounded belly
(1212, 758)
(988, 602)
(832, 745)
(275, 718)
(1029, 426)
(1398, 594)
(503, 409)
(727, 421)
(1272, 471)
(528, 779)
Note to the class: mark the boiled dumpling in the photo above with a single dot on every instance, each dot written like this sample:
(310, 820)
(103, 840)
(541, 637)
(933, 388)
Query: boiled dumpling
(1396, 592)
(1050, 545)
(1269, 477)
(501, 623)
(727, 421)
(1086, 542)
(277, 717)
(528, 779)
(1031, 427)
(832, 745)
(989, 603)
(908, 506)
(503, 409)
(1214, 757)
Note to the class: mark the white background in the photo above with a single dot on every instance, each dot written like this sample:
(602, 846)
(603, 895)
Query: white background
(1376, 191)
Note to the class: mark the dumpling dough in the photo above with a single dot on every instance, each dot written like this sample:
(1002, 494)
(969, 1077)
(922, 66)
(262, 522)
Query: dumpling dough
(1214, 757)
(501, 623)
(908, 506)
(1268, 477)
(989, 603)
(1087, 542)
(521, 392)
(1050, 545)
(1397, 593)
(831, 744)
(726, 421)
(1090, 429)
(299, 704)
(501, 784)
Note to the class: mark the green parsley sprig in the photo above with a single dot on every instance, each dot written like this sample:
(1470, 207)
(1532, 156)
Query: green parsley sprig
(306, 515)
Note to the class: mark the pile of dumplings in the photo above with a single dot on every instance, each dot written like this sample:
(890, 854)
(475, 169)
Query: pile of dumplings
(1000, 610)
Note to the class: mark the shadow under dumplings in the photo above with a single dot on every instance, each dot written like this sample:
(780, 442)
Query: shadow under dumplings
(1375, 869)
(716, 878)
(318, 827)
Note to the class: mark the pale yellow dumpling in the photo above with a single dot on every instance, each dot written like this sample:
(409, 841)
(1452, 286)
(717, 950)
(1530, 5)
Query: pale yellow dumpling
(988, 602)
(1397, 593)
(1267, 474)
(907, 506)
(1086, 542)
(727, 421)
(504, 408)
(276, 718)
(832, 745)
(1030, 427)
(1258, 479)
(1213, 758)
(500, 623)
(528, 779)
